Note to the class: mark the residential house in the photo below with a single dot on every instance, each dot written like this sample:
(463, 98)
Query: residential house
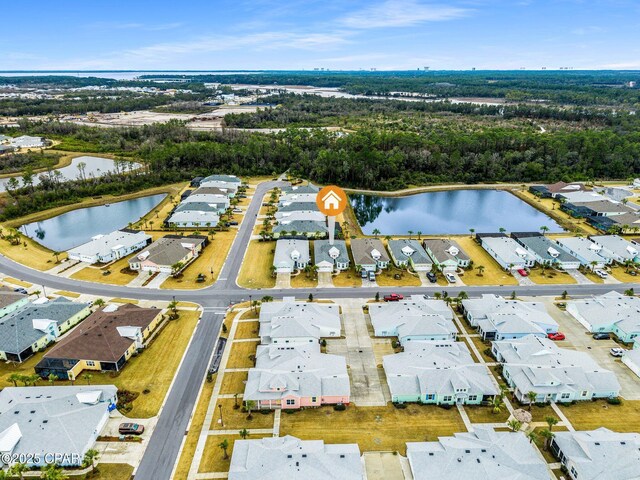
(410, 252)
(507, 252)
(412, 319)
(25, 141)
(551, 191)
(438, 372)
(291, 322)
(599, 454)
(369, 254)
(631, 358)
(11, 301)
(291, 458)
(580, 197)
(306, 189)
(609, 313)
(291, 255)
(65, 421)
(6, 149)
(35, 325)
(229, 183)
(306, 228)
(617, 194)
(110, 247)
(534, 364)
(546, 251)
(5, 140)
(301, 216)
(168, 254)
(296, 207)
(497, 318)
(297, 376)
(446, 254)
(482, 454)
(210, 191)
(105, 341)
(194, 218)
(329, 257)
(196, 182)
(626, 223)
(584, 250)
(221, 201)
(600, 208)
(616, 248)
(289, 198)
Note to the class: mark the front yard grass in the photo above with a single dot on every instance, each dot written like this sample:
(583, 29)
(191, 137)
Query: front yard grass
(256, 267)
(239, 355)
(589, 415)
(32, 255)
(94, 273)
(15, 281)
(237, 419)
(301, 280)
(550, 277)
(65, 293)
(213, 457)
(233, 382)
(247, 330)
(109, 471)
(481, 414)
(482, 346)
(387, 428)
(386, 278)
(620, 274)
(348, 278)
(493, 274)
(211, 258)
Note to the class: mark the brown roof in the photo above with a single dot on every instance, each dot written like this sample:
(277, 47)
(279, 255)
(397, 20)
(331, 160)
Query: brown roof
(97, 337)
(209, 191)
(559, 187)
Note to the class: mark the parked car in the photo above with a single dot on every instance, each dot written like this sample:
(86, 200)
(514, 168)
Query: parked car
(601, 273)
(450, 277)
(372, 276)
(616, 352)
(432, 277)
(523, 272)
(21, 290)
(233, 223)
(556, 336)
(633, 273)
(237, 210)
(131, 429)
(601, 336)
(394, 297)
(364, 273)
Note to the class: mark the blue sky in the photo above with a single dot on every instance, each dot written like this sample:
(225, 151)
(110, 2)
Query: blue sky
(297, 34)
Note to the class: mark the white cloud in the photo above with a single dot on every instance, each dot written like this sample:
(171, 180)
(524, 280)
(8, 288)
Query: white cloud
(401, 13)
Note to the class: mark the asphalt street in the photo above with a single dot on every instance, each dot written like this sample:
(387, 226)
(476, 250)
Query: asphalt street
(164, 445)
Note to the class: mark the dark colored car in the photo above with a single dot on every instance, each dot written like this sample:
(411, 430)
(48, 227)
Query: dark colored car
(131, 429)
(233, 223)
(601, 336)
(21, 290)
(432, 277)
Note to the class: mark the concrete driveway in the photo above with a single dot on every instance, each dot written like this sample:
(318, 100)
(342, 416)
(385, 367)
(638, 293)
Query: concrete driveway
(124, 452)
(325, 280)
(579, 339)
(386, 466)
(283, 280)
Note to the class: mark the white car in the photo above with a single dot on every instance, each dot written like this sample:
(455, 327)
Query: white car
(616, 352)
(601, 273)
(237, 210)
(450, 277)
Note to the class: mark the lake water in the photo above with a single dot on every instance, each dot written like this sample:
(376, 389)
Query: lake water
(94, 167)
(449, 212)
(78, 226)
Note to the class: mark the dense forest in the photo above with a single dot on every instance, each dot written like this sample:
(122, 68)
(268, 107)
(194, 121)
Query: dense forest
(561, 87)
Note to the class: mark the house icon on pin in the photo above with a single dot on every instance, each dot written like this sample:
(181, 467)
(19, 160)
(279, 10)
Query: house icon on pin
(331, 200)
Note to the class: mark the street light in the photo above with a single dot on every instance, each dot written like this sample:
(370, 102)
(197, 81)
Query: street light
(250, 303)
(221, 421)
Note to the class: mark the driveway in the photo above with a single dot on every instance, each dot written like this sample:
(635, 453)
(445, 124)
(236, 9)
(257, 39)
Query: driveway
(384, 466)
(579, 339)
(283, 280)
(325, 280)
(366, 384)
(579, 277)
(522, 281)
(124, 452)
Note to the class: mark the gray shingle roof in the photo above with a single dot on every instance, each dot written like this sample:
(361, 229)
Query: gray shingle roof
(541, 246)
(9, 297)
(321, 250)
(404, 249)
(440, 249)
(168, 250)
(361, 249)
(302, 226)
(299, 206)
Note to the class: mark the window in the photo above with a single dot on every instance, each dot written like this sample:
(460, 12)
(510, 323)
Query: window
(314, 399)
(472, 398)
(447, 398)
(91, 363)
(291, 401)
(574, 473)
(584, 393)
(565, 396)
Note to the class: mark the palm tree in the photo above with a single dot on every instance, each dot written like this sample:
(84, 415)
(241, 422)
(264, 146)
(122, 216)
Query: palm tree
(249, 405)
(410, 232)
(99, 302)
(462, 296)
(514, 425)
(173, 306)
(532, 436)
(376, 232)
(224, 445)
(57, 254)
(53, 472)
(480, 269)
(17, 470)
(548, 436)
(551, 421)
(502, 229)
(15, 378)
(497, 404)
(244, 433)
(532, 398)
(544, 229)
(419, 233)
(437, 295)
(52, 378)
(629, 292)
(472, 231)
(87, 377)
(90, 458)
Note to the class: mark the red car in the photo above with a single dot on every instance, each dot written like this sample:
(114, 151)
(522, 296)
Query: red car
(394, 297)
(556, 336)
(523, 272)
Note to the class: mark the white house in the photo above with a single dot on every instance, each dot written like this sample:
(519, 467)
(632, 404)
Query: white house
(25, 141)
(508, 253)
(329, 257)
(291, 255)
(290, 322)
(585, 250)
(110, 247)
(616, 248)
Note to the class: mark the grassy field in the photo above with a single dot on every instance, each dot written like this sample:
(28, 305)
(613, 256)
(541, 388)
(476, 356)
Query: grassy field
(302, 281)
(480, 414)
(15, 281)
(493, 274)
(247, 330)
(152, 370)
(212, 258)
(233, 382)
(590, 415)
(116, 277)
(213, 458)
(236, 419)
(239, 356)
(256, 268)
(387, 428)
(550, 277)
(32, 255)
(348, 278)
(386, 278)
(621, 274)
(110, 471)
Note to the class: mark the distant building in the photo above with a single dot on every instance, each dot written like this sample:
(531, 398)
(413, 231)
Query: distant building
(550, 191)
(616, 248)
(290, 458)
(110, 247)
(482, 454)
(62, 420)
(26, 141)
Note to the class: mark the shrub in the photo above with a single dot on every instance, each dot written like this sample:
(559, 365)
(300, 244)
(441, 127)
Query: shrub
(146, 391)
(400, 406)
(340, 407)
(614, 401)
(446, 406)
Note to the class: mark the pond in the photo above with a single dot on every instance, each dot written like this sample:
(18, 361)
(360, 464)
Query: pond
(78, 226)
(449, 212)
(93, 167)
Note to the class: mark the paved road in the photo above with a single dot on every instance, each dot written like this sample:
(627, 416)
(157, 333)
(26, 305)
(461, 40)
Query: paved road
(161, 454)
